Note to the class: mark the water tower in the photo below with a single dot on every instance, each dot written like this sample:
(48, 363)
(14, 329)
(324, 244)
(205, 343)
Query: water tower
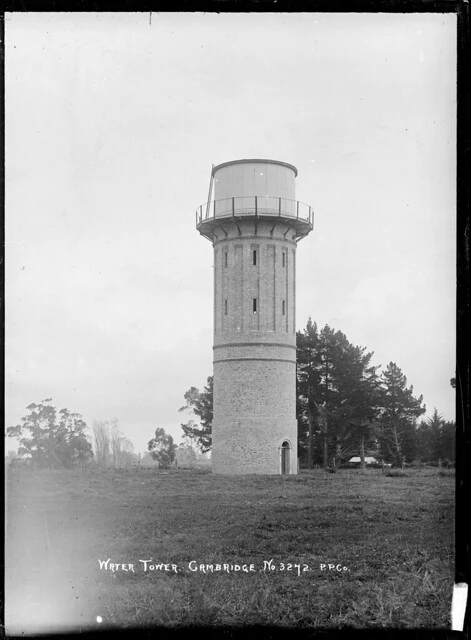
(254, 223)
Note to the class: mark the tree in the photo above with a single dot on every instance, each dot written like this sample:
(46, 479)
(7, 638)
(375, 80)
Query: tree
(308, 379)
(428, 438)
(200, 404)
(358, 400)
(115, 441)
(448, 441)
(127, 457)
(101, 436)
(185, 454)
(329, 349)
(111, 447)
(336, 394)
(11, 457)
(318, 356)
(399, 412)
(436, 439)
(51, 438)
(147, 460)
(162, 448)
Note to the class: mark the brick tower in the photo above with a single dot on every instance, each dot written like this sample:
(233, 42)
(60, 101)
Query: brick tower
(254, 223)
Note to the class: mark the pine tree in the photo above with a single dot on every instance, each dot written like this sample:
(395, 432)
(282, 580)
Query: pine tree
(436, 439)
(358, 386)
(307, 385)
(337, 394)
(400, 410)
(448, 442)
(316, 390)
(429, 437)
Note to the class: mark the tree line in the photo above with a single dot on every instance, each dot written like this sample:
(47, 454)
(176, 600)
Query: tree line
(50, 438)
(345, 407)
(57, 439)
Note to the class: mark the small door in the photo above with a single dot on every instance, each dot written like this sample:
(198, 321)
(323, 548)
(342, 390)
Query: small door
(285, 447)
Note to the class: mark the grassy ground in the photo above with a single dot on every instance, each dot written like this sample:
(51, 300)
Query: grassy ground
(389, 538)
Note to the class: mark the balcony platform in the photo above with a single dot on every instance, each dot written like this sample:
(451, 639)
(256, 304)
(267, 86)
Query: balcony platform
(298, 215)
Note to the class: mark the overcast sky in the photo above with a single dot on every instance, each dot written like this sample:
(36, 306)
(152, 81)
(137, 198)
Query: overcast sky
(112, 124)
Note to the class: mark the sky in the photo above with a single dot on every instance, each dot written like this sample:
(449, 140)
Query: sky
(113, 121)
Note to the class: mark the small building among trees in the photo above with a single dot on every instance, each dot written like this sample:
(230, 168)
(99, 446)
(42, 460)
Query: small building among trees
(355, 461)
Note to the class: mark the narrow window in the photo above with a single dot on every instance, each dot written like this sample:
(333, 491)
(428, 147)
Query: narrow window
(225, 307)
(254, 305)
(225, 258)
(283, 307)
(283, 258)
(255, 256)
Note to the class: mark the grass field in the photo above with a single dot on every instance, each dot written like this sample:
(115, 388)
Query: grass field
(389, 539)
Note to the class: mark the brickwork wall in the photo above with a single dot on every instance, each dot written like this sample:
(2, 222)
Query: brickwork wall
(254, 347)
(255, 414)
(238, 281)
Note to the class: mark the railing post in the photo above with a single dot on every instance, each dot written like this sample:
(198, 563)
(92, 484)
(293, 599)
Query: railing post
(256, 205)
(279, 207)
(233, 207)
(214, 208)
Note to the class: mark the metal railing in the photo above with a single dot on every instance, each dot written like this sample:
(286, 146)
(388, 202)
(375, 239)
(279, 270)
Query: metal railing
(254, 206)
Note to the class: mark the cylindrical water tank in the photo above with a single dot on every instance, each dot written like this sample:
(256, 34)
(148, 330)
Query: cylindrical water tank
(238, 183)
(254, 178)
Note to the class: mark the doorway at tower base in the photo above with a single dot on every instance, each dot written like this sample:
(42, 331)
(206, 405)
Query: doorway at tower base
(266, 446)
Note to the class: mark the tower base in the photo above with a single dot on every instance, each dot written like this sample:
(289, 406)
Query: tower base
(255, 446)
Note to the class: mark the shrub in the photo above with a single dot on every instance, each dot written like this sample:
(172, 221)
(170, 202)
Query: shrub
(446, 473)
(395, 473)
